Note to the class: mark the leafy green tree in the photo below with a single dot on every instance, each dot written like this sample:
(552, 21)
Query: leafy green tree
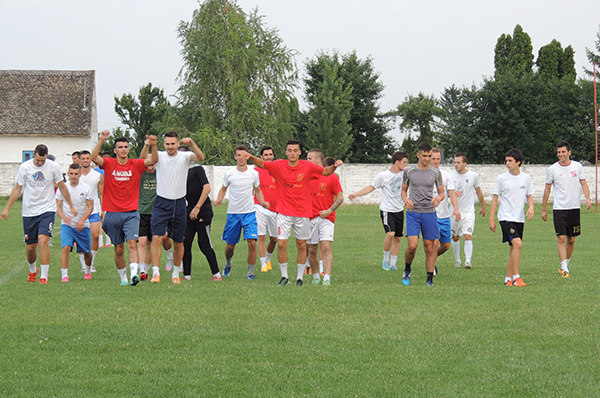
(513, 54)
(418, 115)
(109, 145)
(593, 55)
(236, 82)
(555, 63)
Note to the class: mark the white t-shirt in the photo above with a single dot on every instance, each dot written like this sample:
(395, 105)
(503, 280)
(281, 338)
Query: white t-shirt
(566, 181)
(464, 187)
(171, 174)
(92, 179)
(79, 196)
(391, 191)
(38, 187)
(512, 191)
(443, 211)
(241, 186)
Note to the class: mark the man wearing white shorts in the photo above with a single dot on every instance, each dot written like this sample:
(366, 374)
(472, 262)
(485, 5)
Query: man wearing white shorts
(95, 180)
(326, 194)
(466, 185)
(266, 219)
(292, 177)
(566, 175)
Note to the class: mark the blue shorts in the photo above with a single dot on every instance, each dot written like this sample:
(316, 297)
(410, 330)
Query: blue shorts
(83, 238)
(234, 225)
(121, 226)
(95, 217)
(38, 225)
(169, 216)
(426, 223)
(445, 227)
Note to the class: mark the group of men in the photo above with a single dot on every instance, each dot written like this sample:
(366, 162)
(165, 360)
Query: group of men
(424, 190)
(163, 197)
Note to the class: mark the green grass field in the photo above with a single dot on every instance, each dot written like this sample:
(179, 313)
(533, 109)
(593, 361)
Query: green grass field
(366, 335)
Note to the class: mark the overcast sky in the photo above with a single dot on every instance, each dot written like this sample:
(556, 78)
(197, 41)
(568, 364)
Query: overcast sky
(417, 46)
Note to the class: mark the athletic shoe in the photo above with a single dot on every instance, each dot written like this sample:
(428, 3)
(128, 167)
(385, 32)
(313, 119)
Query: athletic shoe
(519, 282)
(87, 276)
(82, 269)
(386, 266)
(143, 276)
(155, 279)
(65, 279)
(176, 281)
(93, 269)
(43, 280)
(429, 283)
(269, 268)
(264, 269)
(315, 282)
(406, 278)
(435, 270)
(226, 271)
(124, 283)
(322, 273)
(187, 277)
(284, 281)
(393, 268)
(565, 274)
(458, 264)
(560, 271)
(32, 276)
(299, 282)
(467, 265)
(169, 265)
(135, 279)
(216, 278)
(308, 271)
(326, 282)
(508, 283)
(250, 277)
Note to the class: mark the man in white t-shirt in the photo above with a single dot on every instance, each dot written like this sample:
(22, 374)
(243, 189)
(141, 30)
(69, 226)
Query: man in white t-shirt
(443, 211)
(566, 176)
(76, 229)
(244, 184)
(391, 208)
(36, 178)
(513, 189)
(170, 209)
(466, 185)
(95, 180)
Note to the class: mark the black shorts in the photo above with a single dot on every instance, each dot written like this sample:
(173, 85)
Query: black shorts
(145, 229)
(567, 222)
(511, 230)
(392, 222)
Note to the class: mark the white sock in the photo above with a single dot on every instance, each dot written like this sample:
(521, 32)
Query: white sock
(507, 279)
(386, 257)
(81, 260)
(564, 265)
(301, 268)
(142, 267)
(176, 271)
(263, 262)
(326, 277)
(456, 250)
(88, 269)
(468, 250)
(64, 272)
(155, 271)
(44, 268)
(268, 257)
(393, 261)
(516, 276)
(320, 266)
(217, 274)
(123, 274)
(133, 268)
(101, 240)
(316, 277)
(169, 255)
(32, 267)
(251, 269)
(283, 269)
(94, 252)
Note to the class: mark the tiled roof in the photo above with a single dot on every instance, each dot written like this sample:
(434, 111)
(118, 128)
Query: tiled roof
(41, 103)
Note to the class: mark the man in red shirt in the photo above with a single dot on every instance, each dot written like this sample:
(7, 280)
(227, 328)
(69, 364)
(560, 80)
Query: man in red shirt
(120, 200)
(293, 208)
(266, 218)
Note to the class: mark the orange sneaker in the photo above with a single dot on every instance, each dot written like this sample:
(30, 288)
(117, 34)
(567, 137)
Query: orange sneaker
(216, 278)
(269, 268)
(508, 283)
(560, 271)
(519, 282)
(155, 279)
(43, 280)
(176, 280)
(32, 276)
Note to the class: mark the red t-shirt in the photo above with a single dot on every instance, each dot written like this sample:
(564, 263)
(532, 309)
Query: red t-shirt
(323, 191)
(121, 184)
(292, 183)
(268, 186)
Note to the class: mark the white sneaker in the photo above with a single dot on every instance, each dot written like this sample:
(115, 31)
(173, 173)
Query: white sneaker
(458, 264)
(468, 265)
(93, 269)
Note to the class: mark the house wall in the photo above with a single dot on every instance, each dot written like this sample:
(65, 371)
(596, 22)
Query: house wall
(11, 148)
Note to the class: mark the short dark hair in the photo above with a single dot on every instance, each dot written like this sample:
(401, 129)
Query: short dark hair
(516, 154)
(266, 148)
(292, 142)
(561, 144)
(241, 148)
(461, 155)
(75, 166)
(121, 139)
(319, 152)
(41, 150)
(171, 134)
(398, 156)
(86, 152)
(424, 147)
(106, 155)
(328, 161)
(76, 153)
(183, 148)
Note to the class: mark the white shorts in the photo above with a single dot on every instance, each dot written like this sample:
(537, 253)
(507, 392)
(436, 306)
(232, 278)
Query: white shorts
(285, 223)
(465, 226)
(320, 229)
(266, 220)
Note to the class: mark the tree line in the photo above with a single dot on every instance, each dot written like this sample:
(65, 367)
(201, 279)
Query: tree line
(238, 80)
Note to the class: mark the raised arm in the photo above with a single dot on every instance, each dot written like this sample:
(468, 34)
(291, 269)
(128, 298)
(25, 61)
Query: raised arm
(198, 156)
(153, 159)
(96, 151)
(329, 170)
